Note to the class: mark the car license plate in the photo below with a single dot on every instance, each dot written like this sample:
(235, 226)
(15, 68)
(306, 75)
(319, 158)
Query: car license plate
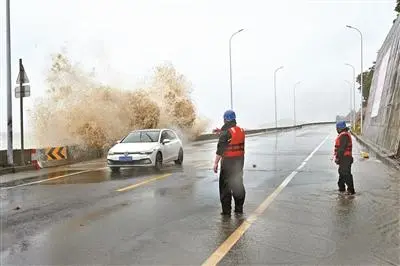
(125, 158)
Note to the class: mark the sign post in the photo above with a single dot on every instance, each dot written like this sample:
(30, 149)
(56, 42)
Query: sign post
(23, 90)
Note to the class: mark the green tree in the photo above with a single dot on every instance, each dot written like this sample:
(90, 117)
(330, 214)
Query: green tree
(367, 80)
(397, 9)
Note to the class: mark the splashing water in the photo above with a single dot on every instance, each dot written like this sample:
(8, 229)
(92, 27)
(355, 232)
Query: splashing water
(78, 110)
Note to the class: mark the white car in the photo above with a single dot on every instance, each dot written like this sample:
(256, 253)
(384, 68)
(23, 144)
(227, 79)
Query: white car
(146, 148)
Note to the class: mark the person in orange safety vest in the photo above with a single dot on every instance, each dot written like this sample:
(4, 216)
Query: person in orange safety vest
(344, 158)
(230, 151)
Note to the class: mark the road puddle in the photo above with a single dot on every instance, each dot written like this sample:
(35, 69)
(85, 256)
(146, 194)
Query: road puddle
(103, 175)
(36, 178)
(96, 175)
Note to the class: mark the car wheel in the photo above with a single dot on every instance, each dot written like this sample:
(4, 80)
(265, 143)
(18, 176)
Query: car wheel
(115, 169)
(179, 161)
(158, 163)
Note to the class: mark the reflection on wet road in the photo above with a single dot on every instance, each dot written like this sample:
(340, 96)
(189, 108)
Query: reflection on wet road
(84, 214)
(38, 177)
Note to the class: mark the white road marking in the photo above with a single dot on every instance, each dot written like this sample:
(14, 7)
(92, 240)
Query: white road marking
(225, 247)
(54, 178)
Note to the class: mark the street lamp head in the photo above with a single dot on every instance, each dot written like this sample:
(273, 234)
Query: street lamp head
(350, 65)
(348, 26)
(236, 32)
(279, 68)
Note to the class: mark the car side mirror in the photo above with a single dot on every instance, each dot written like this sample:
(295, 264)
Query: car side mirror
(118, 141)
(165, 141)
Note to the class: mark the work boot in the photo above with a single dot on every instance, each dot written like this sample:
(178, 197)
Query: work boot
(239, 214)
(239, 210)
(225, 213)
(351, 191)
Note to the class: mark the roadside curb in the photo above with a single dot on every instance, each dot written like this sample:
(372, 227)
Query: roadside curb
(393, 163)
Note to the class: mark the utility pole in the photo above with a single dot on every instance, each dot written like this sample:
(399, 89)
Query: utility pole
(276, 113)
(230, 63)
(294, 102)
(351, 104)
(10, 153)
(354, 93)
(361, 76)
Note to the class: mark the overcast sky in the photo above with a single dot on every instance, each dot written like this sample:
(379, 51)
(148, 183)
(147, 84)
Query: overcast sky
(124, 39)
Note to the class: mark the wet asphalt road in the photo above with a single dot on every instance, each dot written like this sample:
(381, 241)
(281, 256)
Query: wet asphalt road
(168, 218)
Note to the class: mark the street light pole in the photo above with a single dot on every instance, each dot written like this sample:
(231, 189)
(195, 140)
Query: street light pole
(10, 153)
(230, 62)
(354, 92)
(294, 102)
(276, 115)
(362, 97)
(351, 108)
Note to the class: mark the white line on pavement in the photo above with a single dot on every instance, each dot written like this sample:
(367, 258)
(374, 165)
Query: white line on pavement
(54, 178)
(226, 246)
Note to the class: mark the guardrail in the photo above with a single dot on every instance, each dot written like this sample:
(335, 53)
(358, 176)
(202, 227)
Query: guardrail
(263, 130)
(56, 156)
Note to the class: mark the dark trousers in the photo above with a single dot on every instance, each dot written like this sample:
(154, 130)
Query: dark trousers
(345, 176)
(231, 184)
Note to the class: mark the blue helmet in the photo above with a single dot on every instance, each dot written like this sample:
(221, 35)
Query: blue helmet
(341, 125)
(229, 115)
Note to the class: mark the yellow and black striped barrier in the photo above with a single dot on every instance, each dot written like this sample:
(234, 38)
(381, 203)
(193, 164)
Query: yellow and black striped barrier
(56, 153)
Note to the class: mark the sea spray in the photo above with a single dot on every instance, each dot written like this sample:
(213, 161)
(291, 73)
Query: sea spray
(79, 110)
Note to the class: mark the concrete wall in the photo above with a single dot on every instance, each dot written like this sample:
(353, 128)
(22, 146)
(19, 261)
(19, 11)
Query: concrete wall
(382, 117)
(17, 157)
(74, 154)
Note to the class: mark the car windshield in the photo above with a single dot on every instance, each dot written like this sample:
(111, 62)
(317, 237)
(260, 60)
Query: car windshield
(142, 136)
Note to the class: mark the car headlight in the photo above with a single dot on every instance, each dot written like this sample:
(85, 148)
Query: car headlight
(111, 153)
(146, 152)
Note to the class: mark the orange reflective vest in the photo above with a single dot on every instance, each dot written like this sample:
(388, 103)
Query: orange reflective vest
(236, 146)
(349, 148)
